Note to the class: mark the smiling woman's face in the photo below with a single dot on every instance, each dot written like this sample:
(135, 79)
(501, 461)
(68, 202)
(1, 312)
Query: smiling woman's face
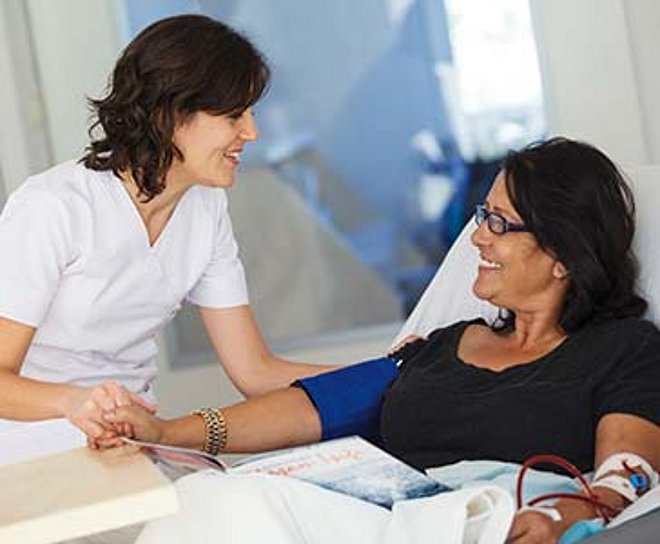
(211, 147)
(514, 272)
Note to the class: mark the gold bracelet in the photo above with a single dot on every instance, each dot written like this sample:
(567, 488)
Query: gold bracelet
(224, 434)
(212, 426)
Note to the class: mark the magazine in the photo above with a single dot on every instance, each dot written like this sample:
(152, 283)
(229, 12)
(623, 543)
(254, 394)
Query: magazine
(183, 460)
(347, 465)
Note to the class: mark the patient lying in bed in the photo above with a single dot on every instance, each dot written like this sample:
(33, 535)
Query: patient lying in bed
(569, 369)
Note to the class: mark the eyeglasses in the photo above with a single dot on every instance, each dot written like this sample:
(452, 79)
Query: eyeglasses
(496, 223)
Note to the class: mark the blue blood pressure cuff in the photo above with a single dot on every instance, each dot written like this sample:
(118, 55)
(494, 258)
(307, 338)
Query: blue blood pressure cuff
(348, 400)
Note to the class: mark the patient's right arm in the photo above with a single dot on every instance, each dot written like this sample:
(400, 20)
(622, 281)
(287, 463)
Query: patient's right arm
(279, 419)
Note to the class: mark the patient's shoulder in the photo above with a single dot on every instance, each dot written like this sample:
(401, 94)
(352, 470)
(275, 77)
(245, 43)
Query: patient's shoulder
(619, 345)
(437, 339)
(623, 330)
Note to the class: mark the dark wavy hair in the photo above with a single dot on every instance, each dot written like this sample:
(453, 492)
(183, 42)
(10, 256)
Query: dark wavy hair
(579, 207)
(172, 69)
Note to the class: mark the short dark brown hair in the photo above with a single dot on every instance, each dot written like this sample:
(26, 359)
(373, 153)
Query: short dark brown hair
(172, 69)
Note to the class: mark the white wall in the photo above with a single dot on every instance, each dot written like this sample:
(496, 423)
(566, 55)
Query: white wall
(599, 67)
(73, 68)
(52, 55)
(643, 20)
(24, 141)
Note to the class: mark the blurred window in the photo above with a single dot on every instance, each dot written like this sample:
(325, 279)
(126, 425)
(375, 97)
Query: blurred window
(383, 126)
(498, 97)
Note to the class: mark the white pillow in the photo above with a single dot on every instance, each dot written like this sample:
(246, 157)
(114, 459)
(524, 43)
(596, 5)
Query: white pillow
(449, 297)
(645, 183)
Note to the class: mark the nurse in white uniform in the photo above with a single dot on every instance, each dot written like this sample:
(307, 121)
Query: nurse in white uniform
(98, 255)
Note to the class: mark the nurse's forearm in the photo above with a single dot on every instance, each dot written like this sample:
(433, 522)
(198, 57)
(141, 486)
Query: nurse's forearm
(28, 400)
(273, 373)
(279, 419)
(23, 398)
(282, 372)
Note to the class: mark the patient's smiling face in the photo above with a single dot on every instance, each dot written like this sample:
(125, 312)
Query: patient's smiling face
(514, 271)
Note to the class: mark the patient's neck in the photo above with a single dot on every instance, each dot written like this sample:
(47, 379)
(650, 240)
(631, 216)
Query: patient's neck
(534, 330)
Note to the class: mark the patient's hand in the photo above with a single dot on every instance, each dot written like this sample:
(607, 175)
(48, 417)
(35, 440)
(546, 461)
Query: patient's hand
(85, 407)
(534, 528)
(142, 424)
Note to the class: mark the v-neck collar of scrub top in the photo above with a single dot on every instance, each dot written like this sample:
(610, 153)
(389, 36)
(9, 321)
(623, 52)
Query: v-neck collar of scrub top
(138, 222)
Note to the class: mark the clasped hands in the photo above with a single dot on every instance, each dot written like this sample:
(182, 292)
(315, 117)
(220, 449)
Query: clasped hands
(92, 410)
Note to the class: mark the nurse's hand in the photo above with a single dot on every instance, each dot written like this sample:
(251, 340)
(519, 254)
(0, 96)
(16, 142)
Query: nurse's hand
(86, 405)
(142, 423)
(409, 339)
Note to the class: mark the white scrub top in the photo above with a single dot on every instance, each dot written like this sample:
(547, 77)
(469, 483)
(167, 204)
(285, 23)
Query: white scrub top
(77, 265)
